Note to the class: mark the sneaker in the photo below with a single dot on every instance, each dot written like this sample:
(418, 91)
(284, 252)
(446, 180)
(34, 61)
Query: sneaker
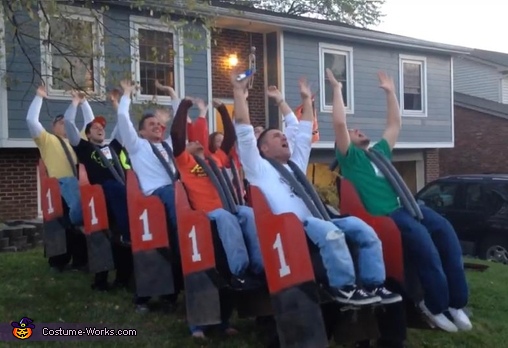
(460, 319)
(245, 282)
(387, 297)
(439, 320)
(355, 296)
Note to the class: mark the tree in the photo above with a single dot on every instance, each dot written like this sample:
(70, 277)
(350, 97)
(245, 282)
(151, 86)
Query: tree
(86, 45)
(354, 12)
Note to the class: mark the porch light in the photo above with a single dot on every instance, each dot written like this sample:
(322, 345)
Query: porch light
(232, 60)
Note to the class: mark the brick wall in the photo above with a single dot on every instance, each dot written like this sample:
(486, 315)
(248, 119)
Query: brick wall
(432, 171)
(480, 142)
(226, 42)
(18, 183)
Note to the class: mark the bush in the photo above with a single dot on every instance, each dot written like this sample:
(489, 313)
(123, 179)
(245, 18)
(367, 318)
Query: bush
(329, 195)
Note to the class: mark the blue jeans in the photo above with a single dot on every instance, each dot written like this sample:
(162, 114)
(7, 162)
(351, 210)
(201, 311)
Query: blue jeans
(330, 237)
(116, 203)
(167, 195)
(433, 247)
(239, 238)
(69, 189)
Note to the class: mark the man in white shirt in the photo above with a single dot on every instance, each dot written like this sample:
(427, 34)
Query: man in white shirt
(151, 160)
(329, 236)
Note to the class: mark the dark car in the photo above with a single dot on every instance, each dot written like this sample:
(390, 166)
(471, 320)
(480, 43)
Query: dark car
(477, 207)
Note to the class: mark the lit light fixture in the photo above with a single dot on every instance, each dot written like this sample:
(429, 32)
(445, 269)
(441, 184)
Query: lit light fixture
(232, 60)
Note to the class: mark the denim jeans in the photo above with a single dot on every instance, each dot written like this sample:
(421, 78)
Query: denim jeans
(116, 202)
(330, 238)
(239, 238)
(433, 247)
(371, 266)
(167, 196)
(69, 189)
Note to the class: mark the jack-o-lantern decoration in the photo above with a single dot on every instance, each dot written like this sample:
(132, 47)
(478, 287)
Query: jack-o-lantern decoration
(23, 329)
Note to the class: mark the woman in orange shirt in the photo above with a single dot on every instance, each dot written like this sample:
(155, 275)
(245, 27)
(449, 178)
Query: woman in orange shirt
(237, 231)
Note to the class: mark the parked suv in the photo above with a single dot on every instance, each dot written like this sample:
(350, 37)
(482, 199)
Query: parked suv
(477, 207)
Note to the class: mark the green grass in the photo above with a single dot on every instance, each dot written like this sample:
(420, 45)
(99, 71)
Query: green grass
(27, 288)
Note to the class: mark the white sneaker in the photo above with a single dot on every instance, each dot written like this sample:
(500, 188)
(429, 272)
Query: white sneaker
(440, 320)
(460, 319)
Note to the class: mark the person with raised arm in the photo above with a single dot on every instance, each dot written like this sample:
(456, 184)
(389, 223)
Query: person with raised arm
(60, 161)
(432, 244)
(103, 167)
(151, 159)
(329, 236)
(237, 231)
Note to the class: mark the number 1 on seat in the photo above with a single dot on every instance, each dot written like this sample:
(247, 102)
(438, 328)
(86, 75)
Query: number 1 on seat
(146, 228)
(284, 269)
(196, 256)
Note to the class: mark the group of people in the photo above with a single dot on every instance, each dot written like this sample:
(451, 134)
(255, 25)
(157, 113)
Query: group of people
(255, 152)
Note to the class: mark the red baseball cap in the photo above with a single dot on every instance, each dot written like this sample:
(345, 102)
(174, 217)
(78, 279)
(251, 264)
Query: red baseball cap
(100, 120)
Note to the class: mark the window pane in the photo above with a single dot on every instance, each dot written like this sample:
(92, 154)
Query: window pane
(156, 51)
(439, 195)
(412, 86)
(71, 44)
(337, 63)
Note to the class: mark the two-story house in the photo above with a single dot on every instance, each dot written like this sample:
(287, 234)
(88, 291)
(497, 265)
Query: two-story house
(481, 115)
(287, 47)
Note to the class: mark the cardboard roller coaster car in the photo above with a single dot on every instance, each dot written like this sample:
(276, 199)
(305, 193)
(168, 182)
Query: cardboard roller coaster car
(95, 225)
(149, 242)
(400, 274)
(54, 236)
(204, 263)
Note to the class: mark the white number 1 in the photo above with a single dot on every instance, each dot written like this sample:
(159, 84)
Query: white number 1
(50, 203)
(146, 229)
(196, 256)
(284, 269)
(92, 211)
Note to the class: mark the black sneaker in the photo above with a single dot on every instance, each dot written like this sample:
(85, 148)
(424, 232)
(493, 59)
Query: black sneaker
(387, 297)
(245, 282)
(354, 296)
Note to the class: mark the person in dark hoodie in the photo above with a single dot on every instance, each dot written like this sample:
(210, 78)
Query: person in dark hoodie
(104, 168)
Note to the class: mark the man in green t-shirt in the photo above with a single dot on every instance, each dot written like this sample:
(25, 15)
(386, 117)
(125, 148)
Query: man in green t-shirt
(432, 243)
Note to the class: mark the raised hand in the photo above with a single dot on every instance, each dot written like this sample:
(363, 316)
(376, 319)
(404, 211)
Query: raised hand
(41, 92)
(273, 92)
(239, 85)
(304, 88)
(386, 82)
(332, 79)
(216, 103)
(200, 103)
(127, 87)
(77, 97)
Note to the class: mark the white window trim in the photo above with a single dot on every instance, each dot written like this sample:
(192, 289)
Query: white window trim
(348, 52)
(83, 14)
(136, 23)
(422, 61)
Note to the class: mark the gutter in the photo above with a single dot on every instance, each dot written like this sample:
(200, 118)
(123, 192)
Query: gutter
(302, 26)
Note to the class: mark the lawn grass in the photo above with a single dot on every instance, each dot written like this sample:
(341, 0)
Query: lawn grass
(27, 288)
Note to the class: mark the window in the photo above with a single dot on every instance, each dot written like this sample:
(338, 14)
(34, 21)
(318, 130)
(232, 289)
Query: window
(72, 52)
(413, 85)
(439, 195)
(340, 60)
(157, 55)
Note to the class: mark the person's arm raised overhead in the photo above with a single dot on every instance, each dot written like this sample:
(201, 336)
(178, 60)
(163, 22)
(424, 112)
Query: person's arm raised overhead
(32, 118)
(290, 120)
(128, 134)
(229, 128)
(251, 160)
(393, 119)
(178, 127)
(175, 101)
(70, 119)
(88, 115)
(303, 137)
(342, 139)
